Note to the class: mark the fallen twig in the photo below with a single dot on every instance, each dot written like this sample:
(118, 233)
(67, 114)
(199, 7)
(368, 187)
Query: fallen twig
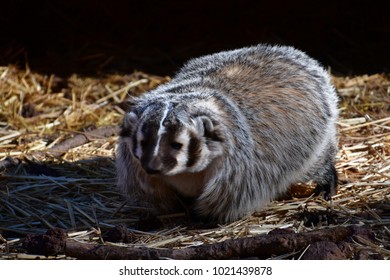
(264, 246)
(81, 139)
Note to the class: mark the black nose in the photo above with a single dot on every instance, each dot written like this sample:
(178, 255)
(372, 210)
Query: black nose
(151, 166)
(151, 171)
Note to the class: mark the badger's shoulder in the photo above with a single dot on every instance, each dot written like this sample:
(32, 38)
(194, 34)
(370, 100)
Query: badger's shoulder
(252, 72)
(263, 56)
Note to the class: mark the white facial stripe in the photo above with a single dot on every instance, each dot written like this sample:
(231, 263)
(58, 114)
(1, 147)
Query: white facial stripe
(161, 129)
(140, 137)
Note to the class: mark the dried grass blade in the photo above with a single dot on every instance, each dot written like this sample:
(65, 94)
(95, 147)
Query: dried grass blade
(71, 213)
(365, 124)
(78, 209)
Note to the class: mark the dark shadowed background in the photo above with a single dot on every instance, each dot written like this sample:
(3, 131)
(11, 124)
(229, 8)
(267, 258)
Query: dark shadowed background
(98, 37)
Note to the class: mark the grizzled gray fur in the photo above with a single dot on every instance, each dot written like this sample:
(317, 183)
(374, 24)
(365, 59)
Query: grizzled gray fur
(231, 132)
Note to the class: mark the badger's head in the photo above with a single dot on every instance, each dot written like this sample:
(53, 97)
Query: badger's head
(168, 139)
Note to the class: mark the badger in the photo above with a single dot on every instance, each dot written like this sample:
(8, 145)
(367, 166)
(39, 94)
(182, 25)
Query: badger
(229, 133)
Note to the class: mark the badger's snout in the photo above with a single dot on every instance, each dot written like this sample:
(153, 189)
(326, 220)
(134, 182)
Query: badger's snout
(152, 166)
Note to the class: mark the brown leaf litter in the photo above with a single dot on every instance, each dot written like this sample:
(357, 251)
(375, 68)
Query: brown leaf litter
(45, 183)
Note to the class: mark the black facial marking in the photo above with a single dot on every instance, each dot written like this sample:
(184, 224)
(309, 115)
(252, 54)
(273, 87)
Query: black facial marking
(168, 144)
(125, 131)
(144, 144)
(169, 162)
(193, 151)
(135, 144)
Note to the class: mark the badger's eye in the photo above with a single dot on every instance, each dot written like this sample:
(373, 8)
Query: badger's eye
(176, 146)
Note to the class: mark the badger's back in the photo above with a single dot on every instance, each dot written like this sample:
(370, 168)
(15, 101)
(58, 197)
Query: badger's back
(276, 109)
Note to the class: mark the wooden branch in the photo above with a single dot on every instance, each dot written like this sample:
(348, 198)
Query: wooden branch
(275, 243)
(81, 139)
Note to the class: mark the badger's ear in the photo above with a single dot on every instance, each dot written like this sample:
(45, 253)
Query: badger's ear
(129, 103)
(207, 128)
(131, 118)
(204, 125)
(129, 122)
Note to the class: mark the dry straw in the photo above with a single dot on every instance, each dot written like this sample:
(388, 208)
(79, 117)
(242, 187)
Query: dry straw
(76, 190)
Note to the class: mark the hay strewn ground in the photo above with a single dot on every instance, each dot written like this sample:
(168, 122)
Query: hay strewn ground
(76, 191)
